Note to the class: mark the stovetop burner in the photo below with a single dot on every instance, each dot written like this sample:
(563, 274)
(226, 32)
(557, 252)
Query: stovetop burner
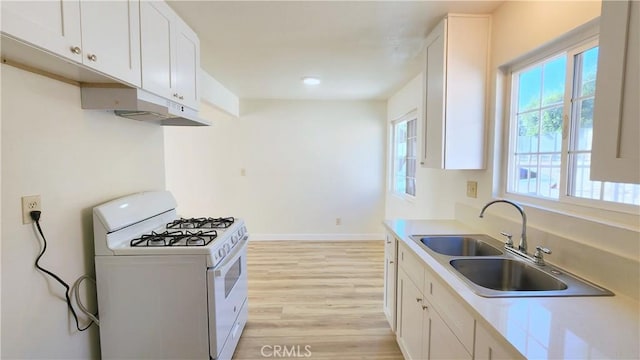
(201, 223)
(175, 238)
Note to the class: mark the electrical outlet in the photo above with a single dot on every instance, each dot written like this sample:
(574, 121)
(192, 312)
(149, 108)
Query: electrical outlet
(29, 204)
(472, 189)
(338, 221)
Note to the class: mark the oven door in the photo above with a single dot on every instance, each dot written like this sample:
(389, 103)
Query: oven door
(227, 292)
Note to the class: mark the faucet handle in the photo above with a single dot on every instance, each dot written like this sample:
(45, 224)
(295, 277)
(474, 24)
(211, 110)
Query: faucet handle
(509, 241)
(539, 256)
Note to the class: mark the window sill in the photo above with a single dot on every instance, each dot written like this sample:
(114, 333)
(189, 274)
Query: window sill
(627, 220)
(408, 198)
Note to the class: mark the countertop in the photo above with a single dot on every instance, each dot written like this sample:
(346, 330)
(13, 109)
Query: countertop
(606, 327)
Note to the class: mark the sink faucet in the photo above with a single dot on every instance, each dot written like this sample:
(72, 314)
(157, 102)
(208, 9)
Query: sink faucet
(523, 238)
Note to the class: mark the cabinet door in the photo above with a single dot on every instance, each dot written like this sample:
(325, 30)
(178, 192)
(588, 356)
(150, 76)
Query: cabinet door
(444, 344)
(111, 38)
(489, 348)
(616, 118)
(455, 93)
(390, 275)
(156, 47)
(451, 309)
(466, 89)
(410, 318)
(49, 25)
(433, 137)
(187, 65)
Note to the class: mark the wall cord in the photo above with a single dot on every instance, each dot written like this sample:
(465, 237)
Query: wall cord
(76, 290)
(35, 215)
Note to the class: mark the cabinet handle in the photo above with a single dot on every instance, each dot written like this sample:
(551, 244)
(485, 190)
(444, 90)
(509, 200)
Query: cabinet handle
(181, 97)
(418, 300)
(388, 241)
(76, 50)
(92, 57)
(425, 307)
(390, 261)
(175, 95)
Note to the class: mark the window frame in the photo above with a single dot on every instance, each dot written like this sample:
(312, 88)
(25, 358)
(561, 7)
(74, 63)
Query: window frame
(408, 117)
(571, 45)
(513, 130)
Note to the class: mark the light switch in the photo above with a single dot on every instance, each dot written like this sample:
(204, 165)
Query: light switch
(472, 189)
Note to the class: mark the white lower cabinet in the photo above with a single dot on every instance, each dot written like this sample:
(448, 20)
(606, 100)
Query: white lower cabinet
(432, 322)
(410, 318)
(444, 344)
(489, 347)
(390, 276)
(422, 333)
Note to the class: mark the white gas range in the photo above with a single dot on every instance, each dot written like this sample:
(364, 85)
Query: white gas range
(168, 288)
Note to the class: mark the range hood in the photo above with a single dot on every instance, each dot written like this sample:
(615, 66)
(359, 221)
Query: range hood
(137, 104)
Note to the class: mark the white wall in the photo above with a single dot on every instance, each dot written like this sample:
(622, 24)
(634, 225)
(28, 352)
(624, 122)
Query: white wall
(75, 159)
(306, 163)
(214, 93)
(516, 31)
(435, 188)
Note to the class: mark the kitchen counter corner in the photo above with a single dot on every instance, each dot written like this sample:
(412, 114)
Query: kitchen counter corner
(538, 327)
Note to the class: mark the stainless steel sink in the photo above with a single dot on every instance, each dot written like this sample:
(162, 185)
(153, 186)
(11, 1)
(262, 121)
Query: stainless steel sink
(490, 271)
(458, 245)
(505, 277)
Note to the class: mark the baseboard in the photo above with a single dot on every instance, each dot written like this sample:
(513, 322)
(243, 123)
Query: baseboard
(316, 237)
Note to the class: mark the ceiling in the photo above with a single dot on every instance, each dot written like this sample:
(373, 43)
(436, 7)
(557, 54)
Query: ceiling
(359, 49)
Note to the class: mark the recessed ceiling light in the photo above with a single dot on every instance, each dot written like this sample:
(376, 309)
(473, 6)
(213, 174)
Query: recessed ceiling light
(310, 80)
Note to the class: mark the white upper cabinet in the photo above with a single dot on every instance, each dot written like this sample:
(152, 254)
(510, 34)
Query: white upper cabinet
(111, 38)
(456, 93)
(158, 51)
(50, 25)
(616, 120)
(187, 65)
(170, 54)
(102, 35)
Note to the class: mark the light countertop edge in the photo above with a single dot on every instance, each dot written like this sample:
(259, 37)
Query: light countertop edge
(539, 327)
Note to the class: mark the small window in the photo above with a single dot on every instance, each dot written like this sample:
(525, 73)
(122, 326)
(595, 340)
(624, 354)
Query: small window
(405, 142)
(551, 127)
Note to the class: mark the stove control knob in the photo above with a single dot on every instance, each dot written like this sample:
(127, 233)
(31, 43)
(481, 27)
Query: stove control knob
(234, 239)
(227, 247)
(221, 252)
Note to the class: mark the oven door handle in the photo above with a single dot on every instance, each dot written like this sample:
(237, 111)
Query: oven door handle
(222, 268)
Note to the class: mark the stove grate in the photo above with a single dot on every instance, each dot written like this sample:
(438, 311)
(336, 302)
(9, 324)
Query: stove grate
(201, 223)
(175, 238)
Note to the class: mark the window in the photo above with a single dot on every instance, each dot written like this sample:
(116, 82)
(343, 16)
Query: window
(405, 142)
(551, 126)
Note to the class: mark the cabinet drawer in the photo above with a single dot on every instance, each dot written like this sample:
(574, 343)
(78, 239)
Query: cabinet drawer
(455, 315)
(412, 265)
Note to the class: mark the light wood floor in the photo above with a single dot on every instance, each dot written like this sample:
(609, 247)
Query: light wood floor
(316, 299)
